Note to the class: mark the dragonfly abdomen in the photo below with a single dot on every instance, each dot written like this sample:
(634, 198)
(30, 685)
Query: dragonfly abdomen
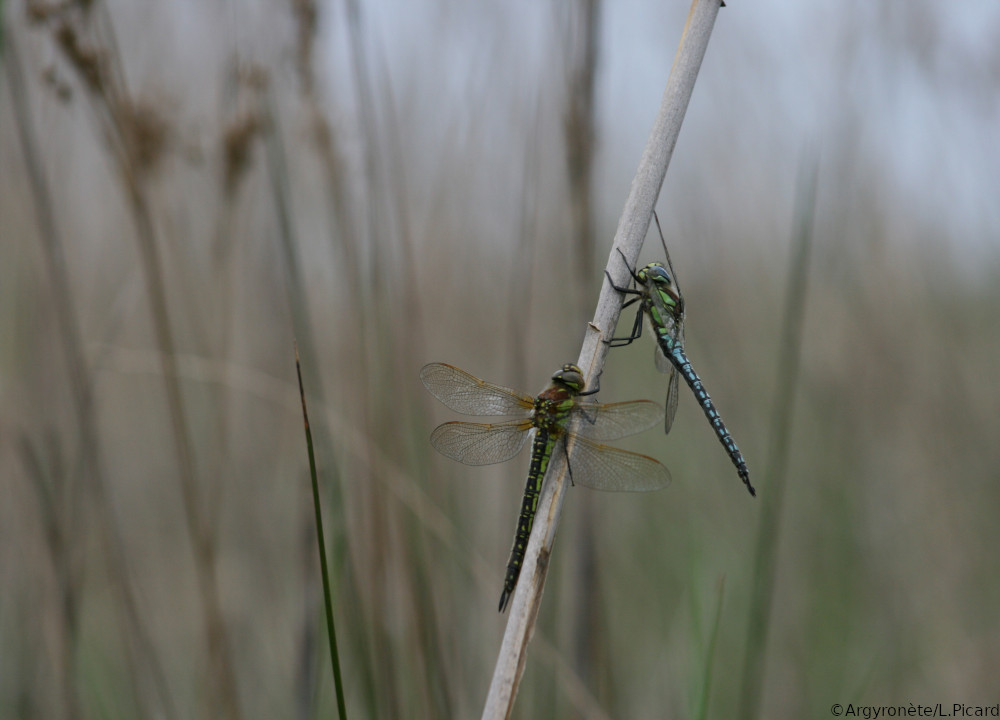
(541, 452)
(677, 356)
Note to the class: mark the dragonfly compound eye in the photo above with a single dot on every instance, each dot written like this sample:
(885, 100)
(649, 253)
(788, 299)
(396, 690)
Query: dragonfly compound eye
(658, 274)
(571, 376)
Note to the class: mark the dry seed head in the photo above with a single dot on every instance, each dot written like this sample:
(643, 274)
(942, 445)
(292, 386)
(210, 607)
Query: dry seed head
(145, 133)
(237, 143)
(89, 62)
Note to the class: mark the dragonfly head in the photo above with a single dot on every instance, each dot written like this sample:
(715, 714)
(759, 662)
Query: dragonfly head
(571, 377)
(656, 277)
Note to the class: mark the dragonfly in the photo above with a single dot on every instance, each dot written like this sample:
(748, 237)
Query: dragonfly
(661, 303)
(560, 416)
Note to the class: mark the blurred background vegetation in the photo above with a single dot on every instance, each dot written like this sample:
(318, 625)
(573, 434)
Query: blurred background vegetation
(184, 187)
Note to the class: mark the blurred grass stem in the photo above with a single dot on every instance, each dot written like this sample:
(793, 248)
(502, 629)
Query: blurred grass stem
(765, 570)
(200, 533)
(579, 122)
(701, 709)
(101, 76)
(137, 641)
(288, 241)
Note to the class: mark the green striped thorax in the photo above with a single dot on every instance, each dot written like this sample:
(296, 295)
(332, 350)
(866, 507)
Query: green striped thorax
(553, 405)
(656, 278)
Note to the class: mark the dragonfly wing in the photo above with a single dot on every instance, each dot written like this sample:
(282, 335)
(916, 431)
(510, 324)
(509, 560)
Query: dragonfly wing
(672, 395)
(663, 363)
(602, 467)
(480, 443)
(615, 420)
(465, 393)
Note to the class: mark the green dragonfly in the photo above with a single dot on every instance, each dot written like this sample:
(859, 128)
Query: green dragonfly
(559, 416)
(660, 301)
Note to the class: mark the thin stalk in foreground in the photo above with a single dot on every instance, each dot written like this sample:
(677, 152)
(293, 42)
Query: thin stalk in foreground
(629, 236)
(327, 598)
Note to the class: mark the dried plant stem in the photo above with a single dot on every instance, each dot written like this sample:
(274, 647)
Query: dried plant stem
(629, 236)
(199, 531)
(121, 121)
(579, 122)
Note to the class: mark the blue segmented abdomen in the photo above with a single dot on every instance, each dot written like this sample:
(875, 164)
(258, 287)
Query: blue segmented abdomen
(541, 451)
(675, 353)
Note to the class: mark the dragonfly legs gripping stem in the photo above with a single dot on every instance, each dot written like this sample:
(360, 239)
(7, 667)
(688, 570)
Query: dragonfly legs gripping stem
(639, 296)
(569, 465)
(632, 337)
(631, 272)
(596, 389)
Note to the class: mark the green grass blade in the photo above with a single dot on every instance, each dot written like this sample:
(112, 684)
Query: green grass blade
(701, 711)
(324, 566)
(765, 569)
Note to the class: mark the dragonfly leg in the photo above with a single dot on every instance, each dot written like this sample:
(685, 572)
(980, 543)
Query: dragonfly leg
(597, 389)
(631, 272)
(624, 290)
(632, 337)
(629, 267)
(639, 295)
(569, 465)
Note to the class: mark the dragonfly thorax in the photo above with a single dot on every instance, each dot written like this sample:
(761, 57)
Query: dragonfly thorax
(552, 409)
(656, 278)
(554, 403)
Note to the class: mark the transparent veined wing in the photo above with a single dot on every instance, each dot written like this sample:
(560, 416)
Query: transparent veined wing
(612, 421)
(465, 393)
(480, 443)
(672, 394)
(664, 365)
(601, 467)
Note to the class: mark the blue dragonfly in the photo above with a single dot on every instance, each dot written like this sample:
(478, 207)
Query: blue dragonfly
(660, 302)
